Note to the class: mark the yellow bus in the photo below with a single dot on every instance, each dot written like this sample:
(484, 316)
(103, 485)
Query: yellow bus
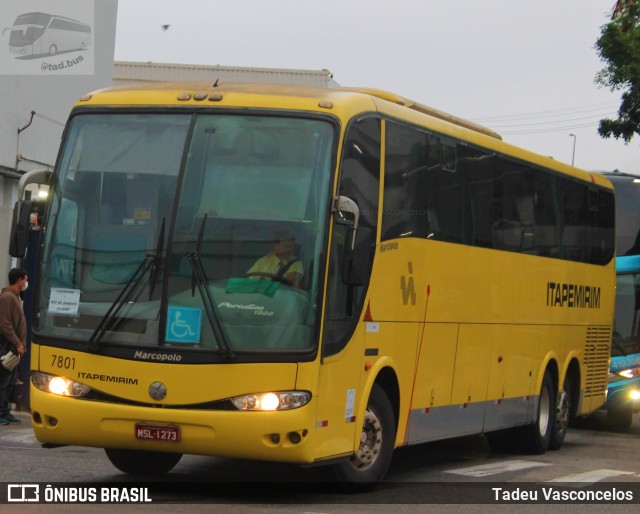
(447, 283)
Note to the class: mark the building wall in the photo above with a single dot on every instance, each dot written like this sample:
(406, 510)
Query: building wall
(49, 91)
(125, 73)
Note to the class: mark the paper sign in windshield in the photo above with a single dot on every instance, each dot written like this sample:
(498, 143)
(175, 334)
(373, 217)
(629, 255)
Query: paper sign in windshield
(64, 301)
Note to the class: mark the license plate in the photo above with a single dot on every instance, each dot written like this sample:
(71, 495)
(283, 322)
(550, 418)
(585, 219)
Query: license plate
(148, 432)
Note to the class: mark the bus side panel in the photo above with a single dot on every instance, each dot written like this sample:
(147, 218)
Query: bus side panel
(347, 378)
(512, 362)
(396, 345)
(435, 367)
(339, 390)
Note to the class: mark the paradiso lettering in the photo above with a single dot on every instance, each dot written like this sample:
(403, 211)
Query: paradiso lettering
(573, 296)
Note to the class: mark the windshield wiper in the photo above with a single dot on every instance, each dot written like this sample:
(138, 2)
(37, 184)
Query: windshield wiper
(125, 296)
(199, 278)
(131, 288)
(153, 276)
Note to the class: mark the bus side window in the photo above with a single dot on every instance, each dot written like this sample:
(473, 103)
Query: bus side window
(423, 186)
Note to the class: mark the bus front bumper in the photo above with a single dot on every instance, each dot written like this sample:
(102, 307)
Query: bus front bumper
(283, 436)
(623, 395)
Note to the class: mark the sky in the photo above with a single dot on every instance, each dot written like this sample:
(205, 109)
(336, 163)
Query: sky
(525, 68)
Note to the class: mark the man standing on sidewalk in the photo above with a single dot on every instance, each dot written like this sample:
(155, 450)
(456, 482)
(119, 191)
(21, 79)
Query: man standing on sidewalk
(13, 328)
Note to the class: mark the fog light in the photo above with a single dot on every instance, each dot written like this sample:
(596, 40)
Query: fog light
(295, 437)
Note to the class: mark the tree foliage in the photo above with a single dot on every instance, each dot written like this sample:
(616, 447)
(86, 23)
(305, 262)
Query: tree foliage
(619, 47)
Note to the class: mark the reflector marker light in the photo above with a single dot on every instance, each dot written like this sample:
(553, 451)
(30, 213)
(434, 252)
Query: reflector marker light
(367, 314)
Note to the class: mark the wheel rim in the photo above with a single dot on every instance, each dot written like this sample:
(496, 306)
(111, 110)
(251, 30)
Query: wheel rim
(370, 442)
(543, 416)
(563, 410)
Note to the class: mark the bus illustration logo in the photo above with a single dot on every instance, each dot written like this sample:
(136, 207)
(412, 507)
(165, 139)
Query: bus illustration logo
(183, 324)
(38, 34)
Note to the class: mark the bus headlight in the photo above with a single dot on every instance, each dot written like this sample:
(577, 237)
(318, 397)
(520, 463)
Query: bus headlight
(282, 400)
(629, 373)
(59, 385)
(634, 395)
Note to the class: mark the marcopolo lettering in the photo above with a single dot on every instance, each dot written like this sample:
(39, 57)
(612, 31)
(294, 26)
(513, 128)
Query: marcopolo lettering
(573, 296)
(386, 247)
(157, 356)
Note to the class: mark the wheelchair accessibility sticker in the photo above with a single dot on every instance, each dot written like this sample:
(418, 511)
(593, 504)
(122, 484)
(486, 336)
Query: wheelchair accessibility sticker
(183, 325)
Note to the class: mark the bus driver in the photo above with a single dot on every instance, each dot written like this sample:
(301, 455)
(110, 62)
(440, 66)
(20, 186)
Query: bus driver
(281, 263)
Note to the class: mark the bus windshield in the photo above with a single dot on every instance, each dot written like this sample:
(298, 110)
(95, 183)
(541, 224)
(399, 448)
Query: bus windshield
(626, 334)
(160, 225)
(627, 189)
(27, 28)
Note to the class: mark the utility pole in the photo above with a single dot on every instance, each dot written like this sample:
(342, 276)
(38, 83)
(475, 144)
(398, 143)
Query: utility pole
(573, 154)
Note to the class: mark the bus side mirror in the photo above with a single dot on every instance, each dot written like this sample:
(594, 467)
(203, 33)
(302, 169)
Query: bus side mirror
(19, 237)
(356, 261)
(346, 212)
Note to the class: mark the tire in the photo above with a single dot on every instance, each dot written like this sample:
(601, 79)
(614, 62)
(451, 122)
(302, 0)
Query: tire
(370, 463)
(620, 418)
(535, 438)
(564, 414)
(142, 463)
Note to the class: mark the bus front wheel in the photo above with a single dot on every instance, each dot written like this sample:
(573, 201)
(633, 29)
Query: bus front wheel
(142, 463)
(371, 460)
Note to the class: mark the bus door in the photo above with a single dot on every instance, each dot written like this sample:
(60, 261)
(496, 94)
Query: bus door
(342, 375)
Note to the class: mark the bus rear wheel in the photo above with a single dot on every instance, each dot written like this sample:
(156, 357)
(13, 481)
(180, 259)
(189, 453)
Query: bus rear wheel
(370, 462)
(535, 438)
(142, 463)
(564, 413)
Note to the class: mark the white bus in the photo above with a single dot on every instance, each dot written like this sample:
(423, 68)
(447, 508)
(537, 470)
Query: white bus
(38, 33)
